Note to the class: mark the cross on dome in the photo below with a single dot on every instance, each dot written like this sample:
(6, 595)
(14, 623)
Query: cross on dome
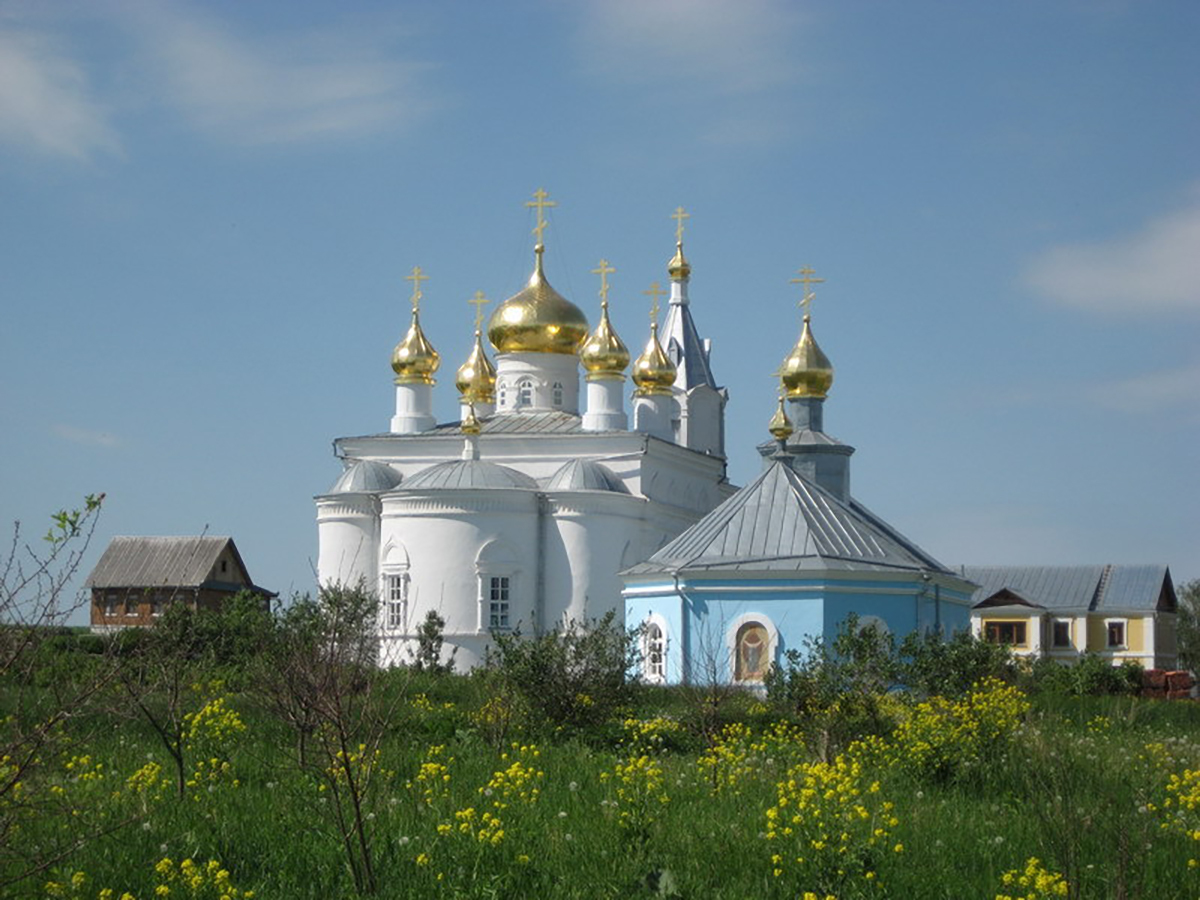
(806, 279)
(416, 278)
(679, 215)
(603, 270)
(655, 292)
(479, 301)
(540, 203)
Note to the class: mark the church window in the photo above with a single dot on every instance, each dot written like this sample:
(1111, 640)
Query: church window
(396, 601)
(557, 394)
(751, 652)
(524, 392)
(498, 598)
(1005, 633)
(654, 653)
(502, 394)
(1115, 631)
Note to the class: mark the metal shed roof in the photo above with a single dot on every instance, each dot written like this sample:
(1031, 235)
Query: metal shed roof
(781, 521)
(1075, 587)
(160, 561)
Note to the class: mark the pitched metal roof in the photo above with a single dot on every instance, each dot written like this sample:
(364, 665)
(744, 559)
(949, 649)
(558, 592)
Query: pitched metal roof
(160, 561)
(1075, 587)
(585, 475)
(467, 474)
(1136, 587)
(780, 521)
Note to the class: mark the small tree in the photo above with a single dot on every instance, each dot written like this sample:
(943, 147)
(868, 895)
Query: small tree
(428, 657)
(1188, 624)
(575, 676)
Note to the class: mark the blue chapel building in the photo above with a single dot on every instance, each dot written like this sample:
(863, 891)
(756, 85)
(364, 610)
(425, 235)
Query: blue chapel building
(789, 556)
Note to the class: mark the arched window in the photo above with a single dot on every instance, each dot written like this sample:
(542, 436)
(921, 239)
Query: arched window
(502, 394)
(751, 651)
(524, 392)
(394, 588)
(654, 653)
(557, 394)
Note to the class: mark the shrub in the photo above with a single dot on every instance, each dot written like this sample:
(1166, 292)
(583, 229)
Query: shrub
(577, 677)
(937, 666)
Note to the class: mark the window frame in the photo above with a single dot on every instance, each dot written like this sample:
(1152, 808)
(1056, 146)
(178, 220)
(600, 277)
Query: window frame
(524, 393)
(1109, 625)
(395, 600)
(498, 601)
(1055, 624)
(998, 625)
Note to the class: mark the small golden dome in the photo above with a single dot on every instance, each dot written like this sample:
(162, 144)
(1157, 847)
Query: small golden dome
(678, 268)
(780, 425)
(653, 371)
(414, 360)
(604, 355)
(476, 378)
(538, 319)
(807, 371)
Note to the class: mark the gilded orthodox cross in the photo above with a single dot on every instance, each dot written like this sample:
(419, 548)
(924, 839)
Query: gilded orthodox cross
(416, 278)
(479, 301)
(603, 271)
(540, 202)
(806, 279)
(679, 215)
(655, 292)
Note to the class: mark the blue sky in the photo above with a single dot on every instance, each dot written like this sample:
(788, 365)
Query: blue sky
(208, 211)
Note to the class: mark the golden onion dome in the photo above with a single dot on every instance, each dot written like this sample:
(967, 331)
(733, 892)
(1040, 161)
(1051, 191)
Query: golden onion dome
(538, 319)
(476, 378)
(807, 371)
(604, 354)
(653, 371)
(678, 268)
(780, 425)
(414, 360)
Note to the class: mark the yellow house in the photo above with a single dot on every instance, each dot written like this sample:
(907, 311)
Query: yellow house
(1122, 613)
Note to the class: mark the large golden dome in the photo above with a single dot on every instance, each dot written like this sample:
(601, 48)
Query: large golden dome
(653, 371)
(414, 360)
(476, 378)
(538, 319)
(807, 371)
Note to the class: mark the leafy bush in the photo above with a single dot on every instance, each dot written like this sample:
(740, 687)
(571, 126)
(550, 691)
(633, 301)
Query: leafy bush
(1092, 675)
(575, 677)
(933, 665)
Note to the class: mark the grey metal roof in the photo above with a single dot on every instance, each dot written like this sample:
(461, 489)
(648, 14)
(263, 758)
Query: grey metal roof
(585, 475)
(366, 476)
(519, 423)
(682, 342)
(781, 521)
(1137, 587)
(1074, 587)
(160, 561)
(468, 473)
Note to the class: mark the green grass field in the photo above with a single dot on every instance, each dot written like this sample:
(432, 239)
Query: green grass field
(456, 800)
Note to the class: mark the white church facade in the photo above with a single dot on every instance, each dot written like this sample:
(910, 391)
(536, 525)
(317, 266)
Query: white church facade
(521, 515)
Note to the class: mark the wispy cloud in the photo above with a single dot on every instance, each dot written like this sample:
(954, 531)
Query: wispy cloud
(277, 88)
(1153, 392)
(729, 52)
(86, 436)
(46, 101)
(1153, 271)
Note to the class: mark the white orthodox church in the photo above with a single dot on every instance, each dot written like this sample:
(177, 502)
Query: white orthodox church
(523, 514)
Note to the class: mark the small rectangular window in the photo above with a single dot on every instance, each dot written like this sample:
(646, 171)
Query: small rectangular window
(157, 604)
(498, 587)
(131, 605)
(396, 587)
(1062, 633)
(111, 601)
(1116, 634)
(1005, 633)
